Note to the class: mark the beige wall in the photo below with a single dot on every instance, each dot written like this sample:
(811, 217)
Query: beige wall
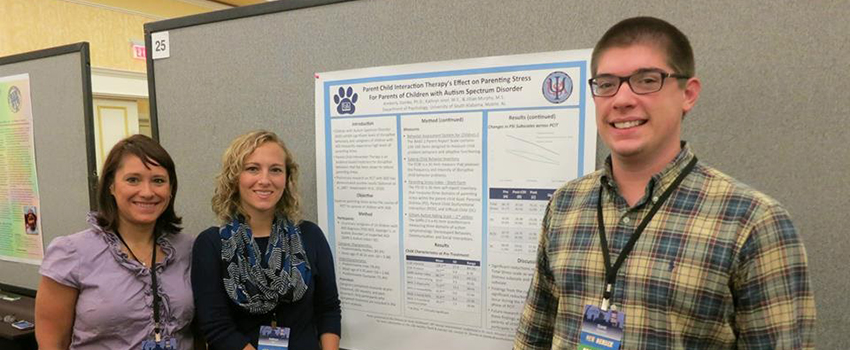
(108, 25)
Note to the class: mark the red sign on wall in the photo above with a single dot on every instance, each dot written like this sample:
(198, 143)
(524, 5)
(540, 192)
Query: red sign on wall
(139, 51)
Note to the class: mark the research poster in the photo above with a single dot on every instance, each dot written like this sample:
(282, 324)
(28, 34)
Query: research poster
(20, 215)
(433, 180)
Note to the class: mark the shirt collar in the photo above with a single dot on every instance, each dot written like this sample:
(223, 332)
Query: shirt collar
(659, 182)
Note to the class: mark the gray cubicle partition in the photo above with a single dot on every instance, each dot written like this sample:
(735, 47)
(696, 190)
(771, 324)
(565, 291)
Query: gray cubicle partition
(773, 111)
(60, 87)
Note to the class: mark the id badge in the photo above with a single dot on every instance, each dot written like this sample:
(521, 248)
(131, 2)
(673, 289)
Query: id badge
(601, 330)
(166, 343)
(273, 338)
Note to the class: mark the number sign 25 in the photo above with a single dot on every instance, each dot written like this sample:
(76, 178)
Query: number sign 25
(161, 46)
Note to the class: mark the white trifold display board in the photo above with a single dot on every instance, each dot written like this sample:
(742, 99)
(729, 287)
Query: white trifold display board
(433, 180)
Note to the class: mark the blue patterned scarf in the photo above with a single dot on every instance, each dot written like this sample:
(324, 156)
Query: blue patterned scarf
(253, 287)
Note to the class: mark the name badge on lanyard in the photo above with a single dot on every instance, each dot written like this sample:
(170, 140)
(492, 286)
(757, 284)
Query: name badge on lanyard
(601, 329)
(166, 343)
(273, 338)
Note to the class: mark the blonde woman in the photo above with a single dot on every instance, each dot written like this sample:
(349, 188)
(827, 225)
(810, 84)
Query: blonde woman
(263, 266)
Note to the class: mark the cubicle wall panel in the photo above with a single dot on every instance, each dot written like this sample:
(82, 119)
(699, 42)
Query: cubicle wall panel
(772, 112)
(59, 91)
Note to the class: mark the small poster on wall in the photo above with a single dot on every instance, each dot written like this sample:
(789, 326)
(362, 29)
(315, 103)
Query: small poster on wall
(20, 214)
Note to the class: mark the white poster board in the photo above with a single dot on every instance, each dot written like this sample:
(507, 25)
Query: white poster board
(433, 180)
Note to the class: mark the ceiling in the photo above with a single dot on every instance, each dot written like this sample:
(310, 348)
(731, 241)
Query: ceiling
(164, 9)
(239, 2)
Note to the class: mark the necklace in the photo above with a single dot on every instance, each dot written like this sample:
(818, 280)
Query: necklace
(131, 251)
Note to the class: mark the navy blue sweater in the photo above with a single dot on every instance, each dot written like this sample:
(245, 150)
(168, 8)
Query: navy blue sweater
(227, 326)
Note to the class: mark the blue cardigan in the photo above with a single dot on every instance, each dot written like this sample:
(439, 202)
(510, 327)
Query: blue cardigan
(227, 326)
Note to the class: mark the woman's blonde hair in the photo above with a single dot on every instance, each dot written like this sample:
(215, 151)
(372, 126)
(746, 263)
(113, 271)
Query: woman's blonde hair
(225, 201)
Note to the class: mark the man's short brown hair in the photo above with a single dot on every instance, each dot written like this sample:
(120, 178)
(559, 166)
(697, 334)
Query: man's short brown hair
(648, 30)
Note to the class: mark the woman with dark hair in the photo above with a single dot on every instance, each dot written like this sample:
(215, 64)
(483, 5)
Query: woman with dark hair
(124, 282)
(264, 272)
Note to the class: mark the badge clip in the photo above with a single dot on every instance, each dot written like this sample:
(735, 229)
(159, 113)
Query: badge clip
(606, 298)
(157, 337)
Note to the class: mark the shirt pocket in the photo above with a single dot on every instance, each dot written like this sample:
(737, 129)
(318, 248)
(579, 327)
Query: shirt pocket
(691, 284)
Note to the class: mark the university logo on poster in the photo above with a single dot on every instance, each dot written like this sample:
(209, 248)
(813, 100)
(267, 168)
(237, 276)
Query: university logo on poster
(557, 87)
(14, 99)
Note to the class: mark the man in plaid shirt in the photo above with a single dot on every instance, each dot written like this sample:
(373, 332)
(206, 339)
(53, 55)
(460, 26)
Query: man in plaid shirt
(715, 263)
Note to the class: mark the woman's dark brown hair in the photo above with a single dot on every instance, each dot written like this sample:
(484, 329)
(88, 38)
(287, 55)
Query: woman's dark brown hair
(151, 154)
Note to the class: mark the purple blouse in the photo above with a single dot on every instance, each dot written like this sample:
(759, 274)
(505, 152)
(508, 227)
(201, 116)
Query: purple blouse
(115, 305)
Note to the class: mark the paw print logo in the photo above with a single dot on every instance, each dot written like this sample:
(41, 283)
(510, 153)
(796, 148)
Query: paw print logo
(345, 100)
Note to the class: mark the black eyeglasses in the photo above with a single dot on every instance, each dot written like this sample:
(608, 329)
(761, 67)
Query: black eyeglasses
(641, 83)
